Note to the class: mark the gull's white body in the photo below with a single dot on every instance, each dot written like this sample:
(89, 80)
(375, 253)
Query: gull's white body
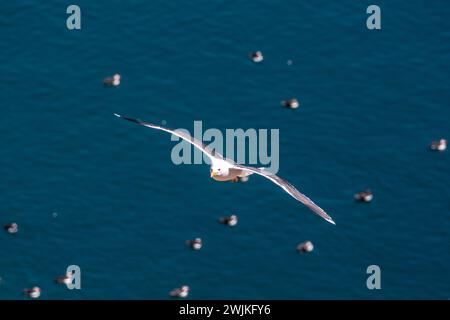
(222, 165)
(226, 170)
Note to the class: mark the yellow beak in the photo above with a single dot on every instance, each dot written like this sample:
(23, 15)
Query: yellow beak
(213, 173)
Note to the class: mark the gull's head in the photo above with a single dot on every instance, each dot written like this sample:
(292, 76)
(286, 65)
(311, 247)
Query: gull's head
(219, 171)
(184, 288)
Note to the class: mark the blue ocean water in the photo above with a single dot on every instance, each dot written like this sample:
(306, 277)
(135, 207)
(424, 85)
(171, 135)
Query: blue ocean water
(371, 101)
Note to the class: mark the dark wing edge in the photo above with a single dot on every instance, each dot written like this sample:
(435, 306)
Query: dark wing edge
(289, 188)
(196, 143)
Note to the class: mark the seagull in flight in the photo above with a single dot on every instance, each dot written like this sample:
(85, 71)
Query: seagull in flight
(226, 170)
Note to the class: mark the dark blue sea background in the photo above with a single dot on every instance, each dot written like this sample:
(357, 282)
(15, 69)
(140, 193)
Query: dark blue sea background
(89, 189)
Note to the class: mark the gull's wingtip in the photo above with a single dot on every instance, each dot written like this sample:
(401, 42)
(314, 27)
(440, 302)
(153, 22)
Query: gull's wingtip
(331, 221)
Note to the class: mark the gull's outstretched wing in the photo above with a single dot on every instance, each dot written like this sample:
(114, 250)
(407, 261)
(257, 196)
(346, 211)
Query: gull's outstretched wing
(196, 143)
(289, 188)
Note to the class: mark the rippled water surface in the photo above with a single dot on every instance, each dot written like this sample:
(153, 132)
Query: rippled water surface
(371, 101)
